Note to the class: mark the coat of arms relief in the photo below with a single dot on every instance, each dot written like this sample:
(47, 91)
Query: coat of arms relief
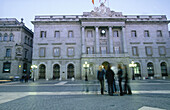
(103, 11)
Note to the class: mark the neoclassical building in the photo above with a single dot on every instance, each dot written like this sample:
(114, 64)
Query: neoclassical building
(15, 48)
(63, 43)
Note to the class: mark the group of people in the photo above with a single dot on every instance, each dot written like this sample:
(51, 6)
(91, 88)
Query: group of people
(108, 74)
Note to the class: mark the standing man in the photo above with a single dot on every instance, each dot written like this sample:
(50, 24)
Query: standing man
(120, 74)
(100, 77)
(127, 85)
(110, 77)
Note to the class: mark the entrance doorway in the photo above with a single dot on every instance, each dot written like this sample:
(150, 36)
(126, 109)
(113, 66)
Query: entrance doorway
(56, 71)
(42, 71)
(70, 71)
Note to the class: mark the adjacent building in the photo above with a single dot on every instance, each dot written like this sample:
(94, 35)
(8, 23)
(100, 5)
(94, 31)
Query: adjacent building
(63, 43)
(16, 42)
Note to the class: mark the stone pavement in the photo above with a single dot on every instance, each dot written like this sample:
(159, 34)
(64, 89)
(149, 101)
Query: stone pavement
(72, 95)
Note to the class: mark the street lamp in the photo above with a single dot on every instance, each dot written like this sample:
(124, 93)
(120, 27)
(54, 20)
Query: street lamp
(85, 66)
(33, 67)
(133, 65)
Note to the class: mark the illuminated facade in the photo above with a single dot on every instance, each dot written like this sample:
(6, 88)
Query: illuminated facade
(62, 44)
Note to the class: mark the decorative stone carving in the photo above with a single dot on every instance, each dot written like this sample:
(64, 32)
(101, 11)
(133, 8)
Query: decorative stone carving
(103, 11)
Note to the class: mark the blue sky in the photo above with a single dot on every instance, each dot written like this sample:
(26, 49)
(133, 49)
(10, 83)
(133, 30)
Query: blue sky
(28, 9)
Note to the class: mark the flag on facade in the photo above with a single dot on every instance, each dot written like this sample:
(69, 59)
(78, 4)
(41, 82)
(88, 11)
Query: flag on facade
(93, 2)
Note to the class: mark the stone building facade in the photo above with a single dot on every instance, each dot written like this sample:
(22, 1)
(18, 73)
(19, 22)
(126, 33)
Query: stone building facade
(16, 48)
(62, 44)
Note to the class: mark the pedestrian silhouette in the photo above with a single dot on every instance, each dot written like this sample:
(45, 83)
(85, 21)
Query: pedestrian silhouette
(100, 77)
(110, 77)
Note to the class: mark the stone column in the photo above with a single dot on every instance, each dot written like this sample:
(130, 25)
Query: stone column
(97, 40)
(110, 40)
(124, 42)
(83, 39)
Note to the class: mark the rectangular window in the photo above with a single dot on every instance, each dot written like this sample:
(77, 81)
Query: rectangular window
(115, 34)
(56, 52)
(148, 51)
(146, 33)
(135, 51)
(43, 34)
(162, 50)
(70, 51)
(70, 34)
(42, 52)
(8, 52)
(117, 50)
(103, 50)
(90, 50)
(159, 33)
(6, 67)
(89, 34)
(57, 34)
(0, 37)
(26, 54)
(102, 33)
(25, 40)
(133, 32)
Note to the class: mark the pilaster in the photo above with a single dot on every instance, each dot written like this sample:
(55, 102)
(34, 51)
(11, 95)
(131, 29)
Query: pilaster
(97, 40)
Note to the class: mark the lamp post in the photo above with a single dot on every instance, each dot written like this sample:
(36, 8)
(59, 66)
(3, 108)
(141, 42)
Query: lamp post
(86, 66)
(33, 67)
(132, 65)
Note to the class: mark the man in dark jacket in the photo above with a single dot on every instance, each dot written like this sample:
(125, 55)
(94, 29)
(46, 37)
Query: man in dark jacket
(110, 78)
(120, 73)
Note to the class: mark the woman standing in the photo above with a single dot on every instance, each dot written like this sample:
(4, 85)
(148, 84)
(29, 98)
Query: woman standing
(120, 73)
(100, 77)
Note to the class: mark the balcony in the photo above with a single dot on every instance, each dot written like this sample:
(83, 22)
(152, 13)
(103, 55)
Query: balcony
(104, 55)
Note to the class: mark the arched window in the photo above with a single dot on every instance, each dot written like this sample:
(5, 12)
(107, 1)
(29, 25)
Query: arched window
(164, 69)
(0, 37)
(5, 37)
(11, 37)
(150, 69)
(70, 71)
(56, 71)
(137, 70)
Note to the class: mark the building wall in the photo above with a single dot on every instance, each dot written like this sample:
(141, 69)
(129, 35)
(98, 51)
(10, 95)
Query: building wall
(19, 32)
(96, 22)
(63, 43)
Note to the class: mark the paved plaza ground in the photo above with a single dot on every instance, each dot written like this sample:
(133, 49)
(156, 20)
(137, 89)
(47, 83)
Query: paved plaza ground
(73, 95)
